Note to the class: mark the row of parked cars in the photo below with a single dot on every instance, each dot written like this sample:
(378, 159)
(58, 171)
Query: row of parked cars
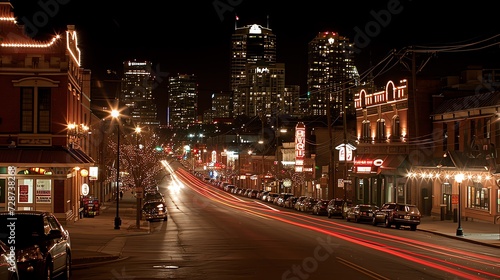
(154, 207)
(390, 214)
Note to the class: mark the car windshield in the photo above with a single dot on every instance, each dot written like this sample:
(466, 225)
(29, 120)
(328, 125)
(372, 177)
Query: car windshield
(24, 230)
(151, 196)
(365, 208)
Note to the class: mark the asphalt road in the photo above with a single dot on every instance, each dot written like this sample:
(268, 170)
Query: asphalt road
(212, 234)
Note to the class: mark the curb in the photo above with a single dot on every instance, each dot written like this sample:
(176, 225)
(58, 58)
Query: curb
(461, 238)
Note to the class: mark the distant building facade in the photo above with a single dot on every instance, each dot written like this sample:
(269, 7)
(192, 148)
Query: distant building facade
(137, 93)
(183, 100)
(330, 73)
(249, 45)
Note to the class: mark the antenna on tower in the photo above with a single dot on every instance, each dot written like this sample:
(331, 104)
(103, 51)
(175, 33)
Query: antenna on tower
(268, 21)
(236, 21)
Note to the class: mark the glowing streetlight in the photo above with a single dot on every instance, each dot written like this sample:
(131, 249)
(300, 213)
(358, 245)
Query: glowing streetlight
(137, 132)
(459, 178)
(115, 115)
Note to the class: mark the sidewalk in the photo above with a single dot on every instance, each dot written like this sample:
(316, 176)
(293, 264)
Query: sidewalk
(478, 232)
(95, 239)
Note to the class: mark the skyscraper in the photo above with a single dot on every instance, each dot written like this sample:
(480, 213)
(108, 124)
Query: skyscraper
(331, 72)
(183, 100)
(137, 92)
(251, 44)
(262, 93)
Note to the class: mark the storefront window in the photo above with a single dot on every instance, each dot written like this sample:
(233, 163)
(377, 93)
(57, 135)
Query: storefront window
(43, 191)
(478, 198)
(25, 191)
(498, 201)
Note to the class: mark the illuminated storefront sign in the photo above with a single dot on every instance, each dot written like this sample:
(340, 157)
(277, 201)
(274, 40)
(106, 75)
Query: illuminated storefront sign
(367, 165)
(93, 173)
(214, 156)
(300, 146)
(345, 149)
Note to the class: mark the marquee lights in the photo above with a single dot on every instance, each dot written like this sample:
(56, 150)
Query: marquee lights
(31, 45)
(447, 175)
(72, 46)
(8, 19)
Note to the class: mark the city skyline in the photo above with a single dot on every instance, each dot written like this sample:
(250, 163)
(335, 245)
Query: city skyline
(195, 38)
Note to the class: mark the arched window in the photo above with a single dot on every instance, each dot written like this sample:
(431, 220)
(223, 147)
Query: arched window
(395, 129)
(381, 130)
(365, 135)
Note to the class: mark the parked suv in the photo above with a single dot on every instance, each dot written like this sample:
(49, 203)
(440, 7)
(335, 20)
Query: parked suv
(398, 214)
(42, 245)
(338, 208)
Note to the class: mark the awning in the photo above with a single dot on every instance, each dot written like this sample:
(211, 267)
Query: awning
(392, 164)
(44, 156)
(379, 164)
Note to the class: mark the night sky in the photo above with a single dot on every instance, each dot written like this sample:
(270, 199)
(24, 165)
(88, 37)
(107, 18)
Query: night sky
(193, 37)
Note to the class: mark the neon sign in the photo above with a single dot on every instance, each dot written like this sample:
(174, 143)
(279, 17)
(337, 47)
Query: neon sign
(300, 146)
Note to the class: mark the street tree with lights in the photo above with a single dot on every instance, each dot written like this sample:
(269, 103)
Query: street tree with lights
(140, 162)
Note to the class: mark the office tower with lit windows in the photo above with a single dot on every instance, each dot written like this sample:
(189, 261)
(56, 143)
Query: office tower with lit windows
(222, 105)
(331, 72)
(251, 44)
(137, 93)
(221, 109)
(183, 100)
(263, 90)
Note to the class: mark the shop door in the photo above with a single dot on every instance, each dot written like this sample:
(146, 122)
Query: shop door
(446, 189)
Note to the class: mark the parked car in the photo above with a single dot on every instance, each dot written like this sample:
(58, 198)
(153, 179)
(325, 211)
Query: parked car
(261, 194)
(42, 244)
(154, 211)
(307, 204)
(338, 208)
(398, 215)
(320, 208)
(361, 213)
(280, 201)
(153, 196)
(271, 196)
(8, 265)
(290, 201)
(152, 188)
(299, 201)
(229, 187)
(252, 193)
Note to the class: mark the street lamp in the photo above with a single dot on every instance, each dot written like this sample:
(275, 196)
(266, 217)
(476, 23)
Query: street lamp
(116, 114)
(459, 178)
(137, 132)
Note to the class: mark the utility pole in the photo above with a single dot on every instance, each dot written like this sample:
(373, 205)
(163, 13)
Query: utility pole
(331, 165)
(278, 162)
(344, 119)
